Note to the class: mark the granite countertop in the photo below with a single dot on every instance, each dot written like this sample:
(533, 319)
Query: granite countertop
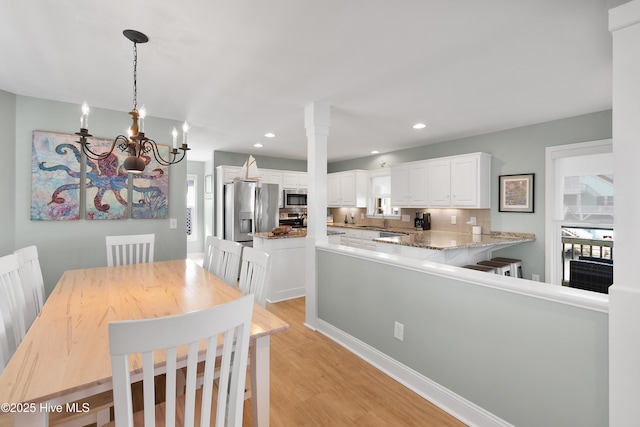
(373, 228)
(295, 233)
(445, 240)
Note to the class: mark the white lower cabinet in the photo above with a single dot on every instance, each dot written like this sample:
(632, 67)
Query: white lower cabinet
(361, 239)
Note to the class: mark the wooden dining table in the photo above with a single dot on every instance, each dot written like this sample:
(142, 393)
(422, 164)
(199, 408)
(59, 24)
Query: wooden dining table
(64, 356)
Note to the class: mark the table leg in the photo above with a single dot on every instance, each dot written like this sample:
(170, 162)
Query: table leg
(259, 372)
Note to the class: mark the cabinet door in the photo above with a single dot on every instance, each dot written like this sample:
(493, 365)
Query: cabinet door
(333, 190)
(418, 185)
(439, 183)
(303, 180)
(348, 188)
(399, 185)
(230, 172)
(290, 180)
(464, 181)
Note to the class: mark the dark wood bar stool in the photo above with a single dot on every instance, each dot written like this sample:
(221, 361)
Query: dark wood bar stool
(516, 265)
(502, 268)
(483, 268)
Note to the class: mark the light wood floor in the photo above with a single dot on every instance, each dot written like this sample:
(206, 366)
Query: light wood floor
(316, 382)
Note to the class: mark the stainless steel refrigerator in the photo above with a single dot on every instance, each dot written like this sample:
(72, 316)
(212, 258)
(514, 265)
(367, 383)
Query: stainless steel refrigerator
(249, 207)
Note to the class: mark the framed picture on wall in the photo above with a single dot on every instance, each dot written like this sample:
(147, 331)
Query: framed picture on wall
(516, 193)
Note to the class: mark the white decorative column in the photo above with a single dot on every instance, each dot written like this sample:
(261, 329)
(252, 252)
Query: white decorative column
(624, 294)
(317, 119)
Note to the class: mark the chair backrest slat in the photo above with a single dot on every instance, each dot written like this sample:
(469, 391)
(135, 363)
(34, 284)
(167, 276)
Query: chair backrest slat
(12, 305)
(254, 274)
(228, 265)
(231, 320)
(133, 249)
(32, 282)
(211, 260)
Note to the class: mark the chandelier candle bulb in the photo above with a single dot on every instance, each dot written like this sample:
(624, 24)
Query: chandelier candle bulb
(142, 114)
(185, 129)
(84, 119)
(174, 132)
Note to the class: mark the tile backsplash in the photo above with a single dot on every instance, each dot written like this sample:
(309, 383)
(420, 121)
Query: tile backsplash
(440, 218)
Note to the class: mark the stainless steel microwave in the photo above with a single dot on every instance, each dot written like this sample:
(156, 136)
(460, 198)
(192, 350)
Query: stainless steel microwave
(295, 198)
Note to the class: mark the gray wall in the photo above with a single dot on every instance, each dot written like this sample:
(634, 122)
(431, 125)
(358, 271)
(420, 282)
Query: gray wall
(68, 245)
(526, 360)
(7, 171)
(515, 151)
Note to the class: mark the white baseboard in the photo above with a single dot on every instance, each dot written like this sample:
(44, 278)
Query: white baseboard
(445, 399)
(287, 295)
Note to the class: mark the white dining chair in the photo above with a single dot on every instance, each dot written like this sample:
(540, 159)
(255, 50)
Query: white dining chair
(32, 282)
(228, 268)
(211, 259)
(4, 346)
(254, 274)
(231, 321)
(134, 249)
(12, 304)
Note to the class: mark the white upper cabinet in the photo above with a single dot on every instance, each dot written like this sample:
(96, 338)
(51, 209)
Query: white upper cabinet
(294, 180)
(465, 181)
(460, 181)
(439, 183)
(229, 173)
(347, 189)
(409, 184)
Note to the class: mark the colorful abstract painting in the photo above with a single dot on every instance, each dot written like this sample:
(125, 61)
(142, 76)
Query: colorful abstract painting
(106, 183)
(151, 189)
(57, 182)
(55, 177)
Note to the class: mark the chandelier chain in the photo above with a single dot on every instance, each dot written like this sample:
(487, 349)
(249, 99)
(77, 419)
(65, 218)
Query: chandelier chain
(135, 76)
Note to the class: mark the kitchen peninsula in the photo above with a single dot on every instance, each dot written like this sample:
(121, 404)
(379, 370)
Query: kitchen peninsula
(287, 250)
(287, 279)
(446, 247)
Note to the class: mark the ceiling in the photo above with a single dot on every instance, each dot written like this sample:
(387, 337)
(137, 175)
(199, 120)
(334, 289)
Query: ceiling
(237, 69)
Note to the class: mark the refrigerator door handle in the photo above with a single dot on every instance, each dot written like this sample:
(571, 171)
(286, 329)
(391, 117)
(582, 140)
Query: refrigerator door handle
(258, 211)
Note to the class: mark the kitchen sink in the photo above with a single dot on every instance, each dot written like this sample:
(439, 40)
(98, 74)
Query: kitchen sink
(392, 234)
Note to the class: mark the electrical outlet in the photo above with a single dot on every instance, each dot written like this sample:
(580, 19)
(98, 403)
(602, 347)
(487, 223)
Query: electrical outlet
(535, 277)
(398, 331)
(361, 216)
(173, 223)
(453, 219)
(472, 221)
(406, 218)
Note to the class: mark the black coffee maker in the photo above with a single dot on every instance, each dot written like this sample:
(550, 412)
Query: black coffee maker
(422, 221)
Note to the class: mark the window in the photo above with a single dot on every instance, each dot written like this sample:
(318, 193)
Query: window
(380, 195)
(579, 206)
(192, 207)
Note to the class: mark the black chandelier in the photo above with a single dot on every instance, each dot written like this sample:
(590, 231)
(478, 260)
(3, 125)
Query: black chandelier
(136, 143)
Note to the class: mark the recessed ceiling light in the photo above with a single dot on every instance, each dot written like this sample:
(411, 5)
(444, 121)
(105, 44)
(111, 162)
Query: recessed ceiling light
(419, 126)
(375, 152)
(258, 145)
(270, 135)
